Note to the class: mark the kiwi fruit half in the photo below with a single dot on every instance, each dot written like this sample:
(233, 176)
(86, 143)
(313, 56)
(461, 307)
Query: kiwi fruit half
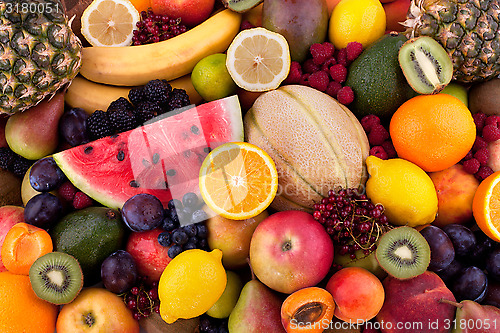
(56, 277)
(403, 253)
(241, 6)
(425, 64)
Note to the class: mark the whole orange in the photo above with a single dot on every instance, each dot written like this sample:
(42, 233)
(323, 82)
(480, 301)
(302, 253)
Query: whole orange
(21, 311)
(433, 131)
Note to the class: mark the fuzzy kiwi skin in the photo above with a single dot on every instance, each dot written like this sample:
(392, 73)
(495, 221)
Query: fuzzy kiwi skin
(485, 97)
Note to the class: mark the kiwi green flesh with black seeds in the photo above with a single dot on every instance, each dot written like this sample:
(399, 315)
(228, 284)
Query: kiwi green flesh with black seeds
(56, 277)
(425, 64)
(403, 253)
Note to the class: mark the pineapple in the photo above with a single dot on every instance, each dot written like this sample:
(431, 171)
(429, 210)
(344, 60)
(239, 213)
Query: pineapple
(38, 52)
(469, 30)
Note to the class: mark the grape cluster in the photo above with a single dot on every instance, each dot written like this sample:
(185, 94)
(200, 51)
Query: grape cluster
(154, 28)
(467, 260)
(352, 221)
(212, 325)
(178, 235)
(142, 299)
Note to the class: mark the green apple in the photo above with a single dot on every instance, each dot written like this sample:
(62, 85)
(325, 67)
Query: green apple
(458, 91)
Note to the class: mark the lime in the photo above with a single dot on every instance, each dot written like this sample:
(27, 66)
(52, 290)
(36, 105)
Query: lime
(211, 79)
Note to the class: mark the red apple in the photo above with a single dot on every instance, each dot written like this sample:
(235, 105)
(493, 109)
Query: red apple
(191, 12)
(290, 250)
(9, 215)
(151, 258)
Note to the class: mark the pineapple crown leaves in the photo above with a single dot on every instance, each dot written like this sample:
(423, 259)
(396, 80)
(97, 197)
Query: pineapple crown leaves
(414, 18)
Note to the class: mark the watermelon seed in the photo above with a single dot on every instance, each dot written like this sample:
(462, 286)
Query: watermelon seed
(207, 150)
(120, 156)
(195, 130)
(187, 153)
(88, 150)
(171, 172)
(156, 158)
(145, 162)
(133, 183)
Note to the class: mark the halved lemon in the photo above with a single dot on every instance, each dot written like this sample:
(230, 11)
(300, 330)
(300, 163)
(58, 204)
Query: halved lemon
(109, 22)
(486, 206)
(238, 180)
(258, 59)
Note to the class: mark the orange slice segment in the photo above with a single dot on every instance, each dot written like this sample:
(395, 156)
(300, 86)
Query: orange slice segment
(486, 206)
(238, 180)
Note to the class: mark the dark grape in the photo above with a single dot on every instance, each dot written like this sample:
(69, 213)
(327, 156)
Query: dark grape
(493, 265)
(179, 237)
(463, 238)
(442, 250)
(493, 294)
(450, 271)
(190, 200)
(142, 212)
(471, 284)
(213, 325)
(43, 210)
(45, 175)
(119, 272)
(164, 239)
(174, 250)
(199, 215)
(202, 230)
(73, 128)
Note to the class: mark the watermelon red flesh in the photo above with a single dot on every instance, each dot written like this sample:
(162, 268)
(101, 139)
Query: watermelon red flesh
(144, 160)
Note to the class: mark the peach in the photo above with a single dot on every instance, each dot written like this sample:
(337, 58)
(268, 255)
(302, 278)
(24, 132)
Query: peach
(413, 305)
(358, 294)
(494, 160)
(395, 12)
(455, 189)
(9, 215)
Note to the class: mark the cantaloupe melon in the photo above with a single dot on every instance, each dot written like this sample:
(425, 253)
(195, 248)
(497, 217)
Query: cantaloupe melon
(316, 143)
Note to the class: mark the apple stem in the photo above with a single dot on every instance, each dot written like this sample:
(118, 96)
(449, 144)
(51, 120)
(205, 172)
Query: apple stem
(251, 270)
(447, 301)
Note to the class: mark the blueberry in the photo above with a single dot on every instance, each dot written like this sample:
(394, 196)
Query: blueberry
(198, 216)
(187, 211)
(179, 237)
(164, 239)
(190, 199)
(202, 243)
(168, 224)
(174, 250)
(174, 204)
(202, 230)
(172, 214)
(189, 246)
(193, 239)
(191, 230)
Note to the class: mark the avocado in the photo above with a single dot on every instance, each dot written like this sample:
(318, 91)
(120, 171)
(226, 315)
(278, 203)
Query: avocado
(90, 235)
(377, 80)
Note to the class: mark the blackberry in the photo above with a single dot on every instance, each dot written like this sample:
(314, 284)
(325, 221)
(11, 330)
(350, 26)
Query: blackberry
(123, 120)
(136, 96)
(120, 104)
(20, 166)
(157, 91)
(147, 110)
(99, 125)
(7, 157)
(178, 98)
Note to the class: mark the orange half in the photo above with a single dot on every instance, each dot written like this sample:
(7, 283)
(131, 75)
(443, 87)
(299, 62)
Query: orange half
(238, 180)
(486, 206)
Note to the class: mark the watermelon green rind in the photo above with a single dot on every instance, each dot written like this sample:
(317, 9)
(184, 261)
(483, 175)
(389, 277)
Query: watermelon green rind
(100, 175)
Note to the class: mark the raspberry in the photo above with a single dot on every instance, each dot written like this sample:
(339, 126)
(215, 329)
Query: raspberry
(333, 88)
(329, 47)
(246, 25)
(353, 50)
(294, 74)
(491, 133)
(67, 191)
(304, 79)
(338, 73)
(377, 135)
(389, 148)
(483, 173)
(81, 200)
(471, 166)
(479, 144)
(319, 80)
(482, 155)
(309, 66)
(492, 120)
(327, 64)
(369, 121)
(468, 156)
(380, 152)
(479, 119)
(342, 57)
(345, 95)
(320, 53)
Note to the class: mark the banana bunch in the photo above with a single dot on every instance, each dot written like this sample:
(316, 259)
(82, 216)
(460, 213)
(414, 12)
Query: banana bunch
(108, 73)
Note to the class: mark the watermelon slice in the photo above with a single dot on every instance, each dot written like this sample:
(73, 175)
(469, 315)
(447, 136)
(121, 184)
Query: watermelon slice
(162, 158)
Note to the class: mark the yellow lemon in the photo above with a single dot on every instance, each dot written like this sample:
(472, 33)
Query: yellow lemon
(404, 189)
(360, 21)
(190, 284)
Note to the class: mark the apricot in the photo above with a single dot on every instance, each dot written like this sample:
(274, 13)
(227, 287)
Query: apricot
(23, 244)
(358, 294)
(307, 310)
(395, 12)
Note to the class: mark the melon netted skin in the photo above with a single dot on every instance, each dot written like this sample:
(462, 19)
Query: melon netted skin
(316, 143)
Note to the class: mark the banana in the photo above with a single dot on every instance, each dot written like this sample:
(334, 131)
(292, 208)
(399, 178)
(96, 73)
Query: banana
(169, 59)
(92, 96)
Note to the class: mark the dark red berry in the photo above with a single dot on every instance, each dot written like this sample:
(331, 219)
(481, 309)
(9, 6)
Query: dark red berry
(377, 135)
(479, 119)
(294, 74)
(479, 143)
(67, 191)
(81, 201)
(471, 166)
(369, 121)
(353, 50)
(492, 120)
(342, 57)
(333, 88)
(345, 95)
(319, 80)
(327, 64)
(329, 47)
(379, 152)
(338, 73)
(389, 149)
(320, 53)
(491, 133)
(483, 172)
(310, 67)
(304, 79)
(482, 155)
(246, 25)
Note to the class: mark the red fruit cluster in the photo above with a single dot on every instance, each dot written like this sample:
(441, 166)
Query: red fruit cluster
(142, 299)
(153, 28)
(378, 137)
(476, 160)
(70, 193)
(326, 70)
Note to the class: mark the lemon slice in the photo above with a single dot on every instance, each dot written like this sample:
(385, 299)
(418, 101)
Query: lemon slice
(258, 59)
(238, 180)
(109, 22)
